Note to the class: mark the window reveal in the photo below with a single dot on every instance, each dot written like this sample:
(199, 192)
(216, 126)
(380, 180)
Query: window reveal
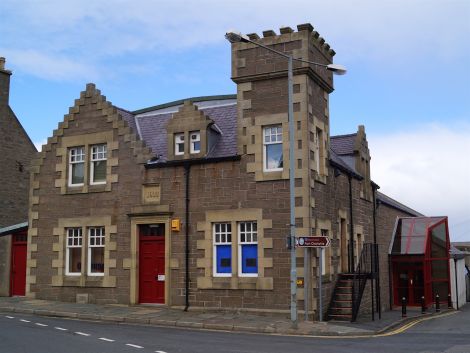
(248, 248)
(222, 233)
(195, 137)
(179, 144)
(272, 148)
(98, 164)
(76, 166)
(96, 237)
(74, 252)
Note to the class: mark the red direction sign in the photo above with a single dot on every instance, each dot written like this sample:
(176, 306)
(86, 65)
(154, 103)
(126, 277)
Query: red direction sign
(312, 242)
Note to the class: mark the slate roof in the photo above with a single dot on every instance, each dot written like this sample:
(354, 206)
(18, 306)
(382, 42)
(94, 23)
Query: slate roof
(150, 125)
(343, 144)
(397, 205)
(13, 228)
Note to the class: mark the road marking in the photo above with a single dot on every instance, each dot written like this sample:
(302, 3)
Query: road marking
(133, 345)
(9, 317)
(23, 320)
(82, 333)
(39, 324)
(60, 328)
(105, 339)
(160, 352)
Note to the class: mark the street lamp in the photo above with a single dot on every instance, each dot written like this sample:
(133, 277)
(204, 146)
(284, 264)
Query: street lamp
(236, 37)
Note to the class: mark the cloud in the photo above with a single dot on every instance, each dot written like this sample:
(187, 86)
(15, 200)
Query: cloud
(39, 144)
(49, 67)
(378, 33)
(428, 169)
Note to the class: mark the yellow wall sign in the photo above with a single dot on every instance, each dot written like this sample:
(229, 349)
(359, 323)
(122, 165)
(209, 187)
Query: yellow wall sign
(175, 225)
(300, 281)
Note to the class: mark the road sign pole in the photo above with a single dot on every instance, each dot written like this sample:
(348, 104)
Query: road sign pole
(320, 301)
(306, 281)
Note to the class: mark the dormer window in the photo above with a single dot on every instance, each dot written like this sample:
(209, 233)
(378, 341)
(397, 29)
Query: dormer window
(195, 140)
(179, 144)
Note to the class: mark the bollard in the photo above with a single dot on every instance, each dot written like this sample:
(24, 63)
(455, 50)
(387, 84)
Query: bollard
(423, 305)
(449, 301)
(438, 305)
(403, 307)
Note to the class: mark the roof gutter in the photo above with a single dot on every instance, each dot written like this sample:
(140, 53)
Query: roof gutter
(346, 170)
(195, 161)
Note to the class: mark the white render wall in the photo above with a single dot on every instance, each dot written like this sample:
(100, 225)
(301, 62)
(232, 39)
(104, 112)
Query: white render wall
(462, 289)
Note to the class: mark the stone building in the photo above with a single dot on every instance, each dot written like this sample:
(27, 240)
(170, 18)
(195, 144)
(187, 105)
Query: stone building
(16, 152)
(187, 203)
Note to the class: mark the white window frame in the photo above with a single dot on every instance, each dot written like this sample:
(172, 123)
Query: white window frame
(179, 140)
(267, 134)
(97, 156)
(99, 243)
(251, 238)
(222, 234)
(192, 141)
(76, 156)
(77, 242)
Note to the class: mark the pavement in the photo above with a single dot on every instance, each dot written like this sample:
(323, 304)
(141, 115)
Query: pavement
(214, 320)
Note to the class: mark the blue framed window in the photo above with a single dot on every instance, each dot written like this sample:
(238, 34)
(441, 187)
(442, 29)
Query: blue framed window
(222, 249)
(248, 249)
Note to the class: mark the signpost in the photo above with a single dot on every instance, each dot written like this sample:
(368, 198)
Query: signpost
(315, 242)
(312, 242)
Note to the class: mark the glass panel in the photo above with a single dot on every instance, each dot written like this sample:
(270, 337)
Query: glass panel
(274, 156)
(420, 228)
(99, 171)
(415, 245)
(152, 230)
(441, 288)
(77, 173)
(97, 260)
(439, 269)
(224, 259)
(75, 260)
(250, 258)
(439, 241)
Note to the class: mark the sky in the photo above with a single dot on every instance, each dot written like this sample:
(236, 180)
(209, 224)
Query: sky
(408, 77)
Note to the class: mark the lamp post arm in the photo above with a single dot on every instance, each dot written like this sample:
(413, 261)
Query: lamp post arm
(285, 55)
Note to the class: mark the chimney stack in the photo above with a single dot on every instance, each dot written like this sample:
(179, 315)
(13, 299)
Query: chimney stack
(4, 83)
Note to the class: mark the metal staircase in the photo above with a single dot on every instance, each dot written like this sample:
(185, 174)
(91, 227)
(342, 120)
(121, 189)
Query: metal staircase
(347, 295)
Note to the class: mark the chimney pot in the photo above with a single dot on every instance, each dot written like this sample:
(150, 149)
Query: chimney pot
(2, 63)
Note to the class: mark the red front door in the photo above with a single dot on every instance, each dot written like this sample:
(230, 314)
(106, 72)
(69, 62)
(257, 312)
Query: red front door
(409, 283)
(18, 263)
(152, 263)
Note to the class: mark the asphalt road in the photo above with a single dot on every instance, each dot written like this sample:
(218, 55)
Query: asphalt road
(36, 334)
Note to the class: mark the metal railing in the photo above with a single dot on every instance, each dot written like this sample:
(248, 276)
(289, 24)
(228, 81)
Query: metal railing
(366, 268)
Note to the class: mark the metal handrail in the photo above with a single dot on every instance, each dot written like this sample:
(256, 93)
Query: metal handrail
(366, 269)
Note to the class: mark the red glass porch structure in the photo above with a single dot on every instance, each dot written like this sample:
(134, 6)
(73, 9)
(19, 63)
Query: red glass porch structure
(419, 260)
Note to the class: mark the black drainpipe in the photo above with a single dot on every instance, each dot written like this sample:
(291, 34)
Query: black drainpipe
(187, 168)
(378, 300)
(351, 236)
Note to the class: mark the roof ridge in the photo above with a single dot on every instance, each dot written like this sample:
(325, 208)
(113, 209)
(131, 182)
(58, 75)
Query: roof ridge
(345, 135)
(181, 101)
